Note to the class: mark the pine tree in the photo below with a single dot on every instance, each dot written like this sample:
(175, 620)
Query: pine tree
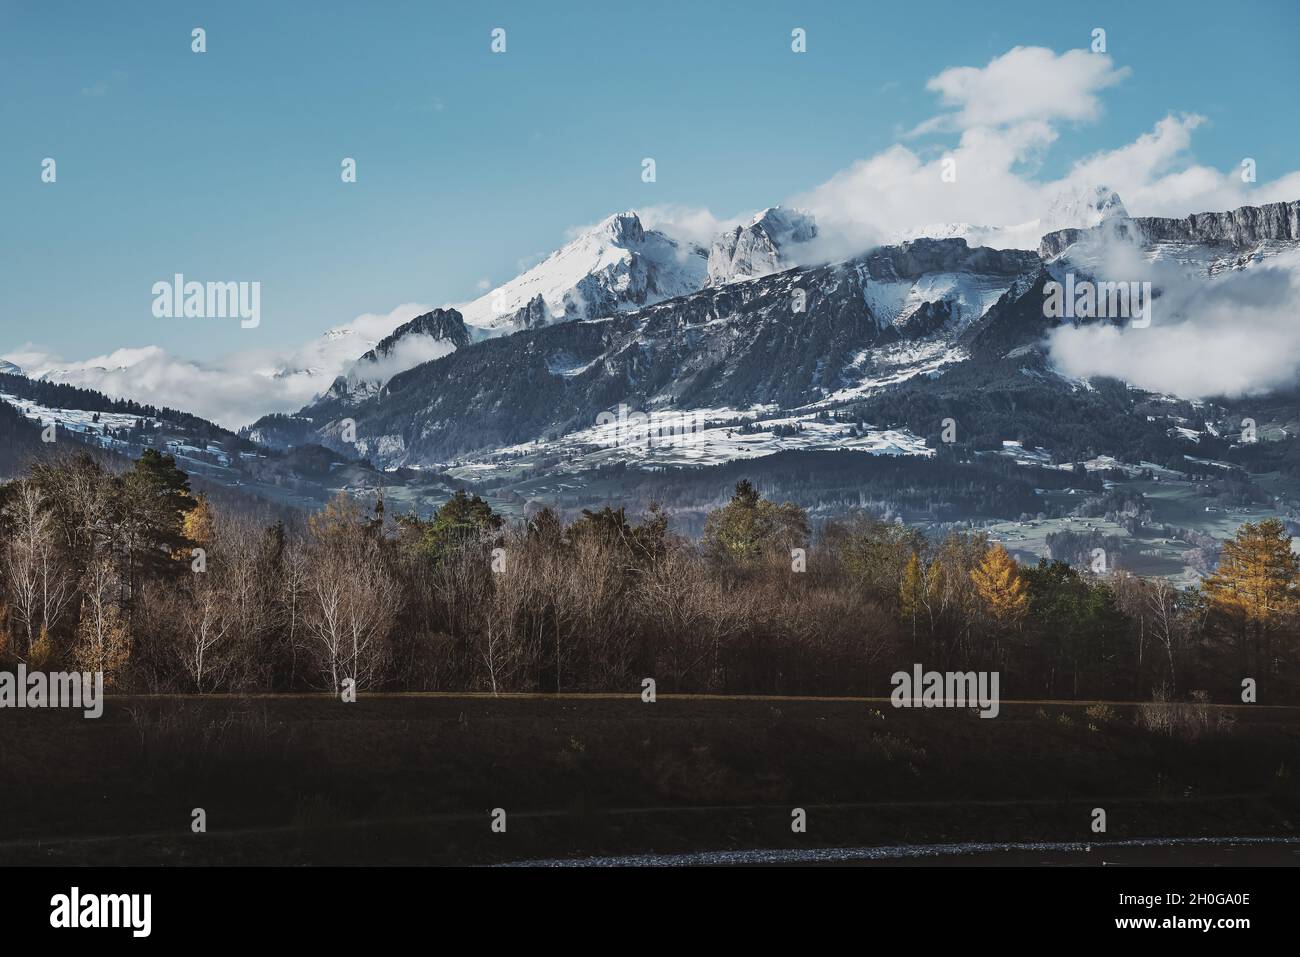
(749, 526)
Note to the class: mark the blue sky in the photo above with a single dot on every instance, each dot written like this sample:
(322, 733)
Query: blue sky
(225, 165)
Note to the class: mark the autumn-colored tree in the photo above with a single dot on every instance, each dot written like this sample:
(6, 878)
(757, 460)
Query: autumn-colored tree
(1256, 587)
(42, 653)
(199, 526)
(1001, 587)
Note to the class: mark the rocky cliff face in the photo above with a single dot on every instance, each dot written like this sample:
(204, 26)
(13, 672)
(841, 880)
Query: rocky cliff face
(426, 337)
(1240, 228)
(443, 325)
(913, 259)
(761, 247)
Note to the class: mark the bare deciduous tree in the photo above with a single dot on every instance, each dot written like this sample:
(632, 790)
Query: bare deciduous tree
(39, 586)
(349, 617)
(103, 640)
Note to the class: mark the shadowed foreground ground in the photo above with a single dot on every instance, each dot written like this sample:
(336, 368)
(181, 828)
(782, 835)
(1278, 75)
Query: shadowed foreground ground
(413, 779)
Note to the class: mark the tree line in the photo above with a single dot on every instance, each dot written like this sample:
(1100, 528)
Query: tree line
(132, 573)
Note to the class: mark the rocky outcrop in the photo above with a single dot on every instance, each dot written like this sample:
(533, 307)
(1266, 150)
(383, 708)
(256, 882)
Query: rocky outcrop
(1241, 228)
(760, 248)
(441, 324)
(912, 259)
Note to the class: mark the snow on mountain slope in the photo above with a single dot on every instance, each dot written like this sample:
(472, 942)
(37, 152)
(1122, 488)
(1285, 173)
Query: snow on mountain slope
(74, 420)
(760, 247)
(613, 266)
(691, 437)
(967, 296)
(790, 339)
(883, 366)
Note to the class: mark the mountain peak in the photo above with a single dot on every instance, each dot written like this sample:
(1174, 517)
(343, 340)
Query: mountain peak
(622, 229)
(1082, 207)
(760, 247)
(614, 265)
(443, 325)
(784, 219)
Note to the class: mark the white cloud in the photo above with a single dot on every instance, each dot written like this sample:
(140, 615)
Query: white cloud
(687, 224)
(409, 352)
(1006, 116)
(233, 390)
(1025, 84)
(1234, 335)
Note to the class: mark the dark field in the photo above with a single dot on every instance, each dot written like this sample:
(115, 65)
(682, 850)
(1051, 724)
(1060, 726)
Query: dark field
(413, 779)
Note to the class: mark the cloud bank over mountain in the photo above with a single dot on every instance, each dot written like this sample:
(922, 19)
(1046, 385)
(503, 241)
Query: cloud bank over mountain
(232, 390)
(1233, 335)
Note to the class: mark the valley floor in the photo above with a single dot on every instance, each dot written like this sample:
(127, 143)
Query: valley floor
(415, 779)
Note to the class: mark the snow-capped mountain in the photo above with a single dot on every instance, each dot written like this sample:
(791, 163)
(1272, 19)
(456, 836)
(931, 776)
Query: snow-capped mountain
(1082, 208)
(613, 266)
(790, 343)
(793, 340)
(760, 247)
(8, 368)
